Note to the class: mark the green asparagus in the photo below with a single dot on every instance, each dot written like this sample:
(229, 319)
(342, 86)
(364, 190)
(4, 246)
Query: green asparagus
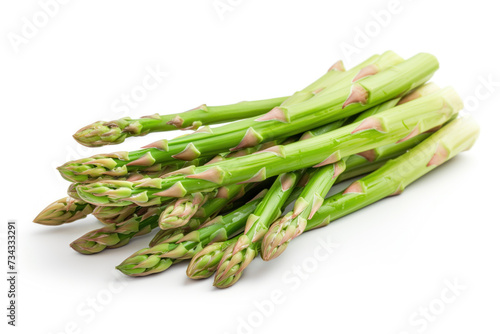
(64, 210)
(399, 123)
(184, 246)
(391, 179)
(118, 234)
(114, 132)
(296, 118)
(239, 254)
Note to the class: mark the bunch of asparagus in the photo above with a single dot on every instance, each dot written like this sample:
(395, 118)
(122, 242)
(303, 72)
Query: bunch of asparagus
(223, 195)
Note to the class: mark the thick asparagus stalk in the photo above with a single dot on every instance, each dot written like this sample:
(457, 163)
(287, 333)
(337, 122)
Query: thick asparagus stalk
(64, 210)
(239, 254)
(114, 132)
(180, 246)
(391, 179)
(399, 123)
(283, 121)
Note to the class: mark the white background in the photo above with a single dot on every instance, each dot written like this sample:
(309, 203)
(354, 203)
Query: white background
(392, 259)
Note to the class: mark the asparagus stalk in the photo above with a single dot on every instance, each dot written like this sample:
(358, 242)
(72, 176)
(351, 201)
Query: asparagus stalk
(399, 123)
(391, 179)
(114, 132)
(118, 234)
(63, 211)
(239, 254)
(347, 100)
(184, 246)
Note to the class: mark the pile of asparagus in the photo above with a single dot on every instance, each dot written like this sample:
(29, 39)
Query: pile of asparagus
(219, 195)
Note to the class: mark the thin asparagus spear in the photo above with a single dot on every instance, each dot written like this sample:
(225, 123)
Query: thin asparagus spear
(114, 132)
(391, 179)
(399, 123)
(279, 122)
(239, 254)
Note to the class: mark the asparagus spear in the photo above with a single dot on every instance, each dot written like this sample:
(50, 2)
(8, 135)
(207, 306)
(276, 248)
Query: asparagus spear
(182, 210)
(399, 123)
(279, 122)
(180, 246)
(391, 179)
(114, 132)
(64, 210)
(115, 235)
(239, 254)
